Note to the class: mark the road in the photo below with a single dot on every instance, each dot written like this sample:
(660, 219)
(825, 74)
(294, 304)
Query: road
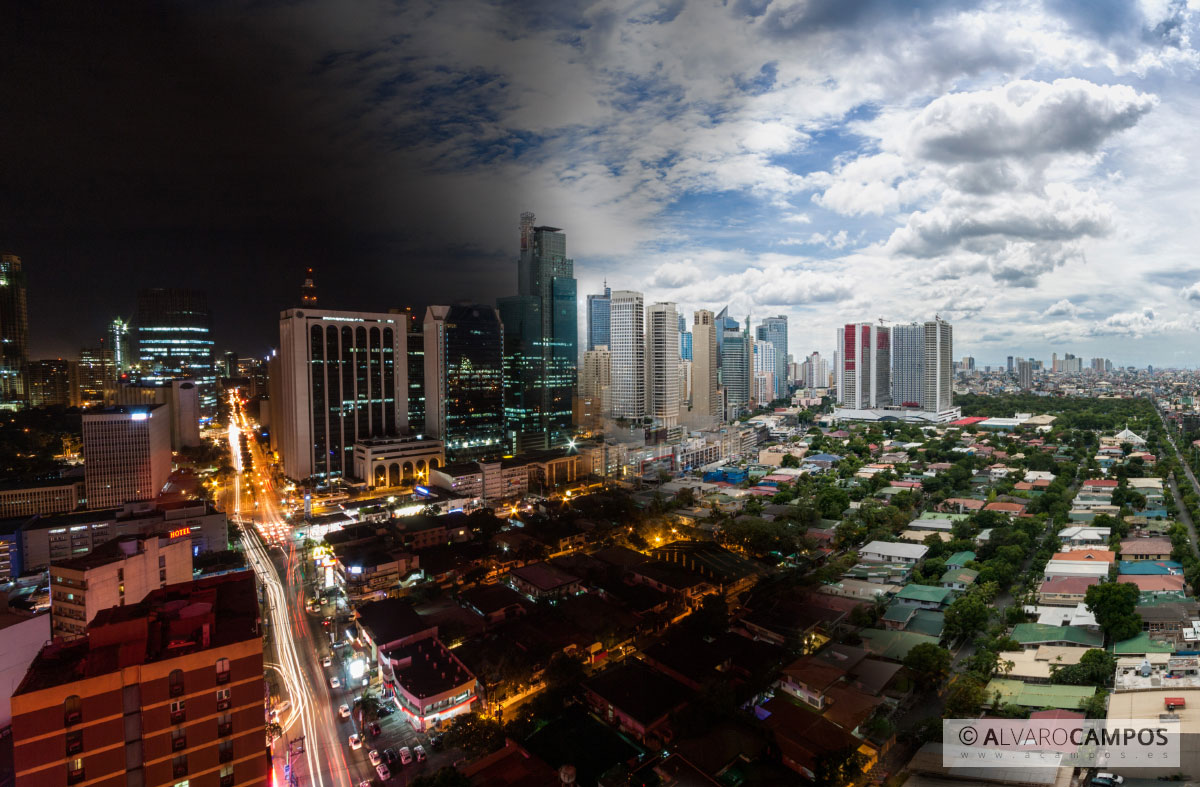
(1184, 515)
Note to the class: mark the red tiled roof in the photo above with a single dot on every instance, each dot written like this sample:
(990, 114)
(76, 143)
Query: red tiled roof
(1069, 584)
(1107, 483)
(1087, 556)
(1005, 508)
(967, 421)
(1153, 582)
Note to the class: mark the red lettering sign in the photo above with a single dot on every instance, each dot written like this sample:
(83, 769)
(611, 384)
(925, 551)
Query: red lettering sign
(183, 531)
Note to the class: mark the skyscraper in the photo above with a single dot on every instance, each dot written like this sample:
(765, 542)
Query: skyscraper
(685, 340)
(308, 290)
(937, 387)
(1010, 364)
(342, 378)
(126, 454)
(765, 360)
(816, 371)
(662, 363)
(775, 331)
(736, 369)
(14, 333)
(118, 340)
(175, 342)
(50, 383)
(464, 381)
(724, 324)
(628, 352)
(540, 341)
(416, 371)
(595, 378)
(864, 366)
(1025, 374)
(705, 401)
(96, 375)
(908, 364)
(598, 315)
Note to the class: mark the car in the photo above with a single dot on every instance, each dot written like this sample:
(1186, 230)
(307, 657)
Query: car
(335, 682)
(1107, 779)
(374, 729)
(405, 755)
(386, 709)
(374, 757)
(339, 645)
(365, 783)
(435, 742)
(327, 661)
(384, 773)
(390, 756)
(355, 742)
(419, 750)
(344, 711)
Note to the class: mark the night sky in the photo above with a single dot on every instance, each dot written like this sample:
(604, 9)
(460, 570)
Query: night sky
(146, 147)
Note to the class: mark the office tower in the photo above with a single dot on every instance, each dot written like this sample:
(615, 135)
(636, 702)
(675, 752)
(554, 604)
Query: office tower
(736, 369)
(662, 363)
(50, 383)
(705, 365)
(175, 342)
(1025, 374)
(118, 572)
(308, 290)
(540, 341)
(937, 387)
(126, 454)
(628, 353)
(416, 371)
(228, 367)
(598, 316)
(182, 401)
(864, 366)
(685, 385)
(118, 341)
(765, 359)
(342, 378)
(775, 331)
(908, 364)
(14, 333)
(1054, 363)
(685, 340)
(464, 381)
(1010, 364)
(816, 371)
(96, 374)
(968, 363)
(168, 691)
(725, 324)
(595, 378)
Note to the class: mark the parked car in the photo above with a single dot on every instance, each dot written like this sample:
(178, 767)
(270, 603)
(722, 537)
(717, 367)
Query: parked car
(435, 742)
(405, 755)
(355, 742)
(374, 757)
(327, 661)
(384, 773)
(390, 756)
(1107, 779)
(344, 711)
(374, 729)
(419, 750)
(385, 709)
(335, 682)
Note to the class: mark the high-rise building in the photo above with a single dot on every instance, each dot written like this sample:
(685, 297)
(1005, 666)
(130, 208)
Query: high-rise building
(595, 378)
(174, 337)
(118, 340)
(736, 369)
(937, 382)
(51, 383)
(541, 341)
(662, 363)
(343, 377)
(775, 331)
(705, 363)
(96, 375)
(815, 372)
(165, 692)
(118, 572)
(765, 359)
(725, 324)
(14, 333)
(182, 400)
(598, 316)
(1010, 365)
(864, 366)
(685, 340)
(416, 371)
(308, 290)
(908, 364)
(464, 381)
(628, 353)
(1025, 374)
(126, 454)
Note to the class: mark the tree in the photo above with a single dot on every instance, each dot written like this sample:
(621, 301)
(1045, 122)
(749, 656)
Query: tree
(475, 734)
(966, 616)
(929, 661)
(1114, 604)
(832, 501)
(838, 768)
(790, 460)
(1095, 668)
(446, 776)
(966, 697)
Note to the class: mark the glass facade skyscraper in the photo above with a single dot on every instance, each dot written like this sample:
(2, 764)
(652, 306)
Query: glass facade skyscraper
(464, 371)
(775, 331)
(541, 341)
(14, 333)
(174, 338)
(685, 340)
(599, 318)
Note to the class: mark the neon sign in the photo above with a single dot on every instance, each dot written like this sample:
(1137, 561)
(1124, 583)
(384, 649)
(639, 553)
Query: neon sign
(183, 531)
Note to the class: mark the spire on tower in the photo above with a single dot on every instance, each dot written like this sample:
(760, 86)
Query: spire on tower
(308, 292)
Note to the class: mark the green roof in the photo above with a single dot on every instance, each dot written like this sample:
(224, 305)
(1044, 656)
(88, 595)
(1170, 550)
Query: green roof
(1038, 695)
(928, 622)
(925, 593)
(936, 515)
(964, 575)
(1031, 633)
(1141, 644)
(898, 613)
(960, 558)
(1150, 598)
(893, 645)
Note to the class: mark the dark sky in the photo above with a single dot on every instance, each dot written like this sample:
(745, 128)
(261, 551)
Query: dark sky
(146, 145)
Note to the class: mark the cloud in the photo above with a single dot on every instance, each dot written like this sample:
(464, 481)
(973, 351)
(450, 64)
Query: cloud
(1062, 308)
(674, 274)
(1191, 293)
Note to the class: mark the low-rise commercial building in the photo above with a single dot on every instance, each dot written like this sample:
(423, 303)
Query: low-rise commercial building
(50, 497)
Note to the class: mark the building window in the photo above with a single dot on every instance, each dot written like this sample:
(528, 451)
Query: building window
(175, 682)
(224, 725)
(179, 766)
(75, 771)
(226, 776)
(222, 670)
(178, 739)
(162, 575)
(162, 561)
(225, 751)
(178, 712)
(223, 702)
(74, 742)
(72, 710)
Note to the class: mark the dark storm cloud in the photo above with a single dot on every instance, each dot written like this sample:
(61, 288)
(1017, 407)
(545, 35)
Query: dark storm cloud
(151, 144)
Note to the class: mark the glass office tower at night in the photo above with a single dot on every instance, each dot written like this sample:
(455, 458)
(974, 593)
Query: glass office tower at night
(174, 338)
(464, 381)
(599, 314)
(14, 333)
(540, 342)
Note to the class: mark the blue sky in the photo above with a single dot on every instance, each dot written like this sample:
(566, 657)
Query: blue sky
(1025, 169)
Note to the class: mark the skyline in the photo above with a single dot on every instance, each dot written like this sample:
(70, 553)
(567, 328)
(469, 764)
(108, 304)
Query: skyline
(832, 162)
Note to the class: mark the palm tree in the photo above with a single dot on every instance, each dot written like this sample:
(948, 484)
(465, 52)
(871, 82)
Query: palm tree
(367, 706)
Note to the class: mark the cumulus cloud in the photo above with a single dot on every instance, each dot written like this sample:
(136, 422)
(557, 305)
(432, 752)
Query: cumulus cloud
(674, 274)
(1191, 293)
(1062, 308)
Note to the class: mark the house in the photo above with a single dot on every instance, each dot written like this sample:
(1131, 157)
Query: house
(805, 738)
(1105, 556)
(1142, 645)
(893, 552)
(1082, 537)
(897, 573)
(494, 603)
(906, 617)
(959, 560)
(893, 645)
(1012, 509)
(1098, 485)
(1053, 615)
(959, 578)
(1149, 567)
(1006, 691)
(1075, 568)
(961, 505)
(942, 525)
(636, 699)
(1036, 665)
(1033, 635)
(925, 596)
(809, 679)
(541, 581)
(1146, 549)
(1155, 583)
(1167, 622)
